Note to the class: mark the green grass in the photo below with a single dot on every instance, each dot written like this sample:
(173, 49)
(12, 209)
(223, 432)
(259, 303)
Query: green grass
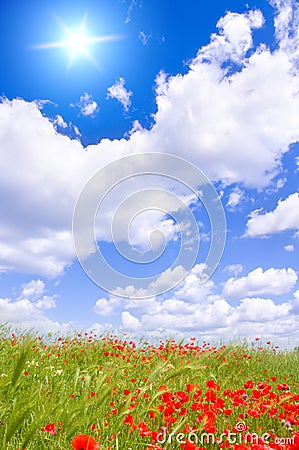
(122, 394)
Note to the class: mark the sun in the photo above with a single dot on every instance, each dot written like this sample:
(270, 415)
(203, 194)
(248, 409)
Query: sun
(77, 42)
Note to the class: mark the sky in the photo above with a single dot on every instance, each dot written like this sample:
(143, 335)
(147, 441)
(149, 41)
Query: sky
(149, 168)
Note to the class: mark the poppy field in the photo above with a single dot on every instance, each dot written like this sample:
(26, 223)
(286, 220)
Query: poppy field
(94, 392)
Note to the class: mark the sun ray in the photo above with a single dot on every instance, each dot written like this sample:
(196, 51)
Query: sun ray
(77, 42)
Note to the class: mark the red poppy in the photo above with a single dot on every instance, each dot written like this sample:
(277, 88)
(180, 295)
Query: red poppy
(283, 387)
(49, 428)
(84, 442)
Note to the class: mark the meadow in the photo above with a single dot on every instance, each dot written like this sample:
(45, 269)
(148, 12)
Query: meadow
(106, 392)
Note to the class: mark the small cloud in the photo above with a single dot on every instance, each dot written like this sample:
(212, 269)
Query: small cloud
(87, 105)
(234, 269)
(76, 130)
(235, 197)
(130, 10)
(144, 38)
(280, 183)
(161, 39)
(161, 81)
(284, 217)
(289, 248)
(120, 93)
(136, 127)
(59, 122)
(32, 290)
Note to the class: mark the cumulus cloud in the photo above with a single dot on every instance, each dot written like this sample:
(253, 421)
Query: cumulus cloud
(104, 307)
(130, 322)
(234, 38)
(261, 310)
(259, 282)
(284, 217)
(33, 289)
(286, 26)
(29, 306)
(289, 248)
(120, 93)
(27, 310)
(87, 105)
(235, 127)
(212, 317)
(169, 278)
(235, 269)
(235, 197)
(232, 124)
(215, 318)
(41, 178)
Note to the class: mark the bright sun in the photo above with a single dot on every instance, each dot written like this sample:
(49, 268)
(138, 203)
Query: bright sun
(77, 42)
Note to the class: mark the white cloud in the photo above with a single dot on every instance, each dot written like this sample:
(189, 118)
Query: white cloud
(235, 128)
(37, 190)
(284, 217)
(192, 290)
(151, 230)
(27, 311)
(104, 307)
(234, 38)
(295, 303)
(259, 282)
(289, 248)
(20, 310)
(235, 269)
(29, 306)
(144, 38)
(261, 310)
(120, 93)
(215, 319)
(32, 290)
(286, 26)
(235, 197)
(88, 106)
(212, 317)
(77, 131)
(133, 4)
(58, 121)
(228, 124)
(167, 279)
(130, 322)
(280, 183)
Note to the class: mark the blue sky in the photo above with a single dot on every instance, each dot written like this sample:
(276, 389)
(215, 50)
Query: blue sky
(215, 87)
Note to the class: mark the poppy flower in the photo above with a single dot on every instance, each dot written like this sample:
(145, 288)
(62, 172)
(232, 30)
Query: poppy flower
(84, 442)
(283, 387)
(49, 428)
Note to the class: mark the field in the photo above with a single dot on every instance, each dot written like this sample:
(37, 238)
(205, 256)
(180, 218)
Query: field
(104, 392)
